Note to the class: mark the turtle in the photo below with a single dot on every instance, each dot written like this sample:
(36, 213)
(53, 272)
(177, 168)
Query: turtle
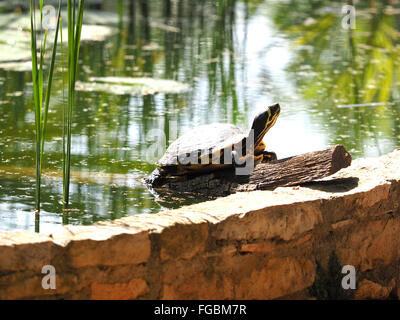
(215, 146)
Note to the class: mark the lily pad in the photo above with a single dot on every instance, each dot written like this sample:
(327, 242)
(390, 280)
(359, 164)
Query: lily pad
(13, 37)
(92, 33)
(15, 28)
(15, 45)
(102, 17)
(21, 21)
(9, 53)
(132, 86)
(22, 66)
(89, 33)
(164, 27)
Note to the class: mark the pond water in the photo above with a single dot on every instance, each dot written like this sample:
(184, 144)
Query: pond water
(335, 85)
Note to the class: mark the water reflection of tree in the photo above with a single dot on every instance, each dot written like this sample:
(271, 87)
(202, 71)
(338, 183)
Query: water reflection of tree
(191, 41)
(186, 40)
(334, 66)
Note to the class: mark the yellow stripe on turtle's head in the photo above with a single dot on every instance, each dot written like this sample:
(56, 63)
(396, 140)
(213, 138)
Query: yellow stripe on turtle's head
(263, 122)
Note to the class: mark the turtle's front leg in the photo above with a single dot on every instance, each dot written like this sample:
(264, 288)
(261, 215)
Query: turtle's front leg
(242, 162)
(269, 156)
(236, 161)
(262, 155)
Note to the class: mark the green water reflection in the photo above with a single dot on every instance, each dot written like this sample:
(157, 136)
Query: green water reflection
(237, 57)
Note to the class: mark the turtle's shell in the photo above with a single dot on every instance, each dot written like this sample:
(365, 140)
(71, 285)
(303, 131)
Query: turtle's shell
(205, 139)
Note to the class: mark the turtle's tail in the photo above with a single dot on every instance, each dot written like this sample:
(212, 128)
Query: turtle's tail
(156, 179)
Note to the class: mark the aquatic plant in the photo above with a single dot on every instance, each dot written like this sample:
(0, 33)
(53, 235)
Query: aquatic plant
(39, 90)
(75, 19)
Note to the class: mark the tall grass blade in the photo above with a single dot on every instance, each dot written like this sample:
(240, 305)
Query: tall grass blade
(64, 117)
(36, 101)
(78, 33)
(75, 20)
(50, 79)
(41, 110)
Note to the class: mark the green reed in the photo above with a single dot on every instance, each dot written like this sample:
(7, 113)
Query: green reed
(75, 19)
(39, 90)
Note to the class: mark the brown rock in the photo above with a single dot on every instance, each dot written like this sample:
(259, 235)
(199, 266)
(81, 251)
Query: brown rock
(279, 277)
(270, 246)
(25, 251)
(262, 247)
(198, 278)
(183, 241)
(371, 244)
(256, 245)
(200, 286)
(285, 222)
(119, 291)
(23, 288)
(30, 286)
(371, 290)
(116, 250)
(343, 224)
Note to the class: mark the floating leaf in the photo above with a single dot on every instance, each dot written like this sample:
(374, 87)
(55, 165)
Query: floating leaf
(132, 86)
(15, 45)
(91, 33)
(10, 53)
(19, 38)
(92, 17)
(16, 32)
(23, 66)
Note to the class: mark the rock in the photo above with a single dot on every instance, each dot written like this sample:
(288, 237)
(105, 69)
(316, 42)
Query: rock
(250, 245)
(371, 290)
(183, 241)
(279, 277)
(112, 250)
(25, 250)
(119, 291)
(194, 280)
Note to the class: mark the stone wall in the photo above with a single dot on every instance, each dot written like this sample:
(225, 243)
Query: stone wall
(288, 243)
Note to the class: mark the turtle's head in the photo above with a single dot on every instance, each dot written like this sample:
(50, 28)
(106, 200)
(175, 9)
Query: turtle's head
(264, 121)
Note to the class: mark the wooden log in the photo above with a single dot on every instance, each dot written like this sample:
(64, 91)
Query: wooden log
(300, 169)
(291, 171)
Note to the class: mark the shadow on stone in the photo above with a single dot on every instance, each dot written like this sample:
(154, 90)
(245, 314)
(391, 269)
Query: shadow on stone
(327, 284)
(334, 185)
